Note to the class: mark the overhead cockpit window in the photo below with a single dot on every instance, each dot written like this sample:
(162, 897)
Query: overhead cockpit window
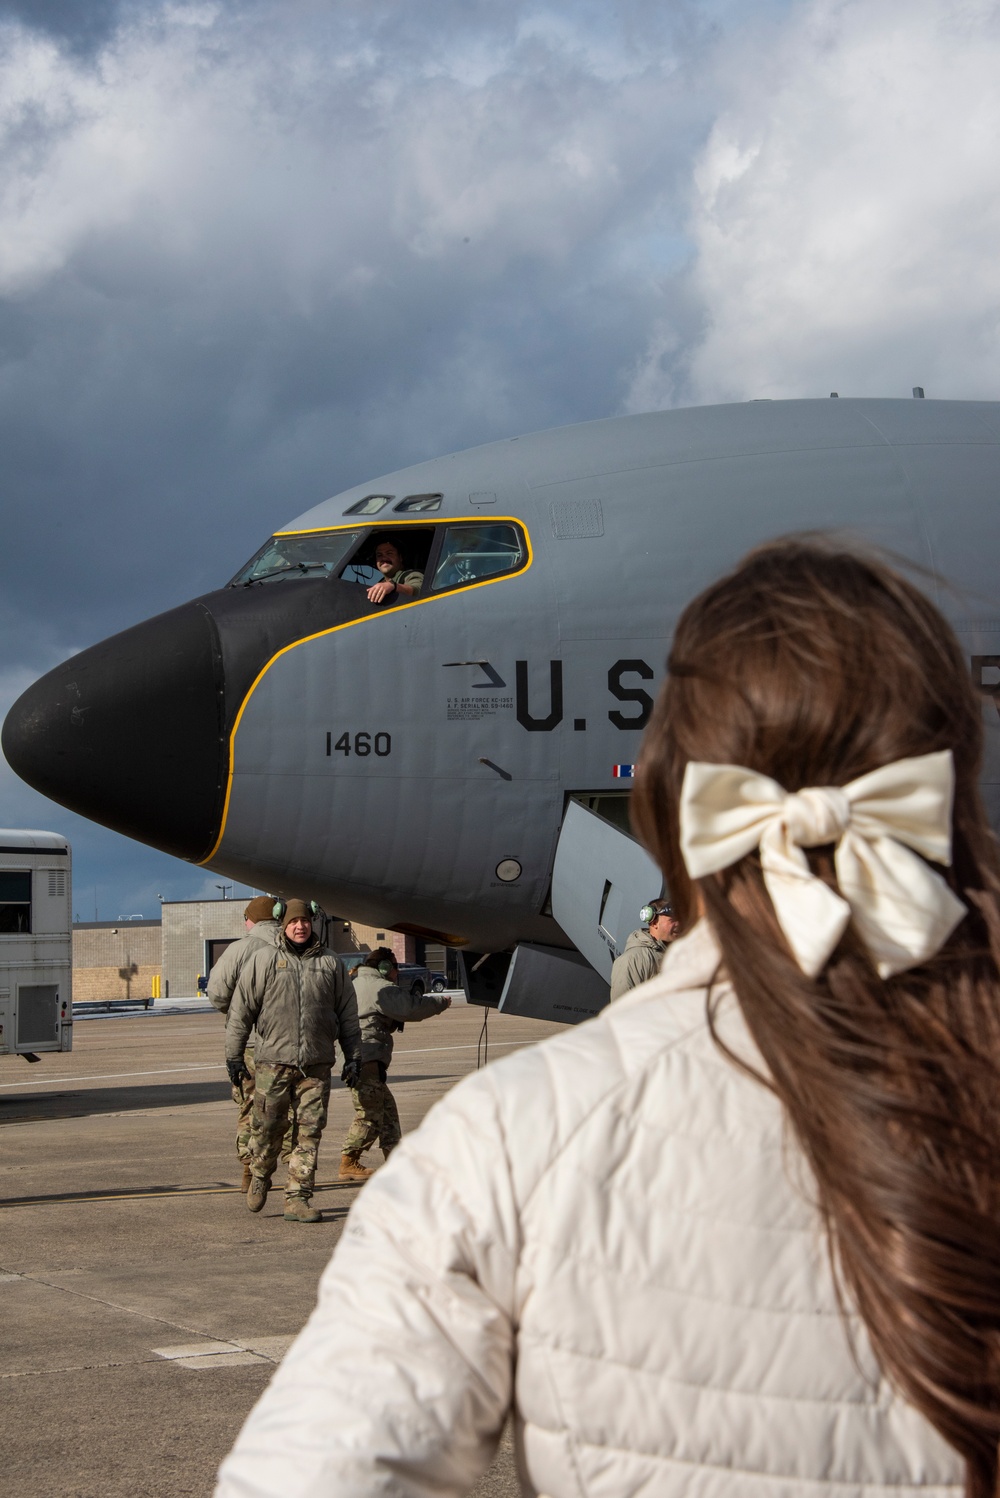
(471, 552)
(317, 554)
(370, 505)
(419, 502)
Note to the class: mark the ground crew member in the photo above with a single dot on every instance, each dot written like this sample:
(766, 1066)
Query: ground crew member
(260, 927)
(645, 948)
(301, 1002)
(383, 1007)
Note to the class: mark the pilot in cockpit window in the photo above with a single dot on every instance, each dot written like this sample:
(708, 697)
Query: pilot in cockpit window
(397, 581)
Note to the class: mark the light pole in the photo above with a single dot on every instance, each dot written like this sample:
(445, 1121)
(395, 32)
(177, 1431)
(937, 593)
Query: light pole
(223, 888)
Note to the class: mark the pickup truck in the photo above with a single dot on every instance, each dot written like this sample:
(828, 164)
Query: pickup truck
(417, 979)
(420, 979)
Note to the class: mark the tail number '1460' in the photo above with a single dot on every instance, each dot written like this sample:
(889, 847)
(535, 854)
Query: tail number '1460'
(362, 744)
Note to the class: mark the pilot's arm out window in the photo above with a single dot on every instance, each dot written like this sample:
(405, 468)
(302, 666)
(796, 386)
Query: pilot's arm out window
(470, 553)
(391, 564)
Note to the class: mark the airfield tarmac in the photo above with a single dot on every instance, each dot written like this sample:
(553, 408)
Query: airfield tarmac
(144, 1308)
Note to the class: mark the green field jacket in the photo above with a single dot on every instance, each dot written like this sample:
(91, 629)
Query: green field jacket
(640, 960)
(224, 975)
(382, 1006)
(301, 1005)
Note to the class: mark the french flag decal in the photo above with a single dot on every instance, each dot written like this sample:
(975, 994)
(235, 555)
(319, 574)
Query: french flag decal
(623, 772)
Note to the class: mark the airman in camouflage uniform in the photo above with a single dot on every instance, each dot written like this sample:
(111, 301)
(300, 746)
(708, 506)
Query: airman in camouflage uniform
(383, 1007)
(261, 927)
(298, 996)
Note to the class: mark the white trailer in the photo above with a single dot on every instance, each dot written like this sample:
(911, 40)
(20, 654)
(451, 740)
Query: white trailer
(36, 943)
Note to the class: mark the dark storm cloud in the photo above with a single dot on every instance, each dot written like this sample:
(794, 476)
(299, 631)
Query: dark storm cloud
(83, 27)
(250, 255)
(251, 263)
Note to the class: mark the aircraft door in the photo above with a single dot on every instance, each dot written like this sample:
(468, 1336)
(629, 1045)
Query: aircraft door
(551, 983)
(600, 882)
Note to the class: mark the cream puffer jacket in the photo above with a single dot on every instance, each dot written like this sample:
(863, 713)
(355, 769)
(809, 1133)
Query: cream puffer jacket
(611, 1234)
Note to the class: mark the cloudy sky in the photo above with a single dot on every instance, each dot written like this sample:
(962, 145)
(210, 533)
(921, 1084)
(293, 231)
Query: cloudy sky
(254, 251)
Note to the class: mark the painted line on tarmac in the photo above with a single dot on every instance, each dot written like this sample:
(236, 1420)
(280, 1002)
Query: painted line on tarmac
(114, 1076)
(119, 1076)
(81, 1198)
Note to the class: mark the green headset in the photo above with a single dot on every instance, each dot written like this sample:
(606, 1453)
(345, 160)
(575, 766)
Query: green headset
(651, 912)
(280, 906)
(385, 965)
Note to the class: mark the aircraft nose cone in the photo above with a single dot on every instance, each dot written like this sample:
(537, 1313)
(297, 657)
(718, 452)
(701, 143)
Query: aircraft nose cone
(130, 733)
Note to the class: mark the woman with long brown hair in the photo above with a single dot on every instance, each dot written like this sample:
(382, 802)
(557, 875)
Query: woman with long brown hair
(738, 1236)
(816, 668)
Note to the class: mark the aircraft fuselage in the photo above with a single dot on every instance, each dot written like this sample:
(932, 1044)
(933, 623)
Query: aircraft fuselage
(408, 763)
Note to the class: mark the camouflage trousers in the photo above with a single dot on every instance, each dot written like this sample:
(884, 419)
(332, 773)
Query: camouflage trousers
(243, 1098)
(375, 1113)
(289, 1106)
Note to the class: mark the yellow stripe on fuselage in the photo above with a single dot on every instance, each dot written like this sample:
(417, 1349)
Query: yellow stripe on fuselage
(365, 619)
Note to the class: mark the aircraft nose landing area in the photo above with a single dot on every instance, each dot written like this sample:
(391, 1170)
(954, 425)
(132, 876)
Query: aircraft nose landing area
(144, 1308)
(130, 732)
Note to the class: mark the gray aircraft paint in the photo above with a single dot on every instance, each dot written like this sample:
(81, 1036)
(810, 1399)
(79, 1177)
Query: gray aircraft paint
(627, 518)
(661, 504)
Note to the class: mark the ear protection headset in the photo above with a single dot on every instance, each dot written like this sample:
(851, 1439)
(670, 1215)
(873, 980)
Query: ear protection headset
(280, 906)
(650, 912)
(386, 964)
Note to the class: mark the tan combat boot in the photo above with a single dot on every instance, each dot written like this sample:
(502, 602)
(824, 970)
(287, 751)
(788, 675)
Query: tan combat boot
(257, 1194)
(247, 1177)
(297, 1209)
(351, 1168)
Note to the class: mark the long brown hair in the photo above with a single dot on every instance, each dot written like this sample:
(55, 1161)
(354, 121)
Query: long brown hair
(813, 665)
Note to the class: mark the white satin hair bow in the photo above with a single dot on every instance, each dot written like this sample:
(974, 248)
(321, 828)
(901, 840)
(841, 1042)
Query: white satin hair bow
(903, 910)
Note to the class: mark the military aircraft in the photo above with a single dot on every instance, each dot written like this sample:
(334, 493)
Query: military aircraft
(455, 761)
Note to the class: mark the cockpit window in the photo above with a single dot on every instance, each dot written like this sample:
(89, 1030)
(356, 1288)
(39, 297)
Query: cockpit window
(316, 555)
(370, 505)
(398, 556)
(471, 552)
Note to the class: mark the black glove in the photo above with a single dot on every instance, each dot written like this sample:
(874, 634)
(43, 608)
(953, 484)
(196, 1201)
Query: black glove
(351, 1075)
(237, 1071)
